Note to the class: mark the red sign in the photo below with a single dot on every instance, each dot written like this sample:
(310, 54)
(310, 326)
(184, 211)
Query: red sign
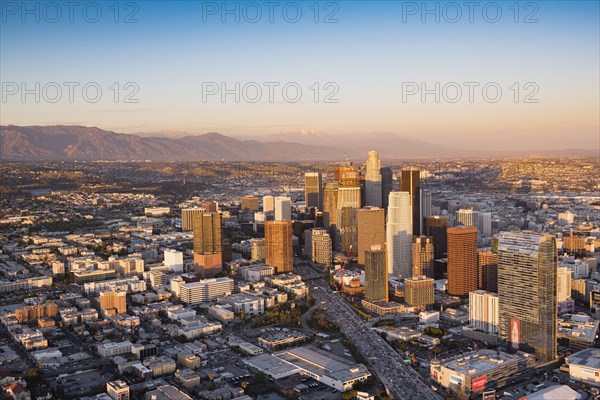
(478, 383)
(515, 333)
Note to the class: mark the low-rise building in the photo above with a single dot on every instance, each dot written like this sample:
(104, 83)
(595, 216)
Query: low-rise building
(584, 366)
(112, 349)
(578, 332)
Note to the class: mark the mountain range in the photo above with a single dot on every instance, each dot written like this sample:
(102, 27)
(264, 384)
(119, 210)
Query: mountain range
(65, 142)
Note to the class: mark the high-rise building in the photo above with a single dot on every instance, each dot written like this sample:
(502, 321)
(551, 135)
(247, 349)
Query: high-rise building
(313, 190)
(527, 274)
(330, 200)
(418, 291)
(410, 181)
(462, 260)
(347, 224)
(485, 224)
(373, 180)
(257, 248)
(484, 311)
(467, 217)
(187, 217)
(111, 299)
(283, 208)
(278, 246)
(488, 271)
(371, 230)
(210, 206)
(249, 203)
(425, 206)
(205, 290)
(347, 176)
(376, 275)
(399, 233)
(387, 185)
(208, 243)
(563, 284)
(436, 228)
(268, 204)
(321, 247)
(422, 256)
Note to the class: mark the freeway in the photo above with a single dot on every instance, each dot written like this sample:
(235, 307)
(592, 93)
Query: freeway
(399, 379)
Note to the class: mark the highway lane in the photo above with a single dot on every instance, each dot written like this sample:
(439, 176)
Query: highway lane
(400, 380)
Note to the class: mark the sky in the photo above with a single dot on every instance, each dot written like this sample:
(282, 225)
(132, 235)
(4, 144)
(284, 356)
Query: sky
(506, 75)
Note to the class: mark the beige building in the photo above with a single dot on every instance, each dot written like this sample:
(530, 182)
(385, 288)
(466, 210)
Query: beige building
(422, 256)
(418, 291)
(208, 244)
(321, 246)
(371, 230)
(187, 217)
(313, 190)
(112, 299)
(28, 313)
(257, 248)
(117, 390)
(249, 203)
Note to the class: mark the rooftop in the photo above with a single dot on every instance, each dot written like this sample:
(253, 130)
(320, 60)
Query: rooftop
(588, 357)
(476, 362)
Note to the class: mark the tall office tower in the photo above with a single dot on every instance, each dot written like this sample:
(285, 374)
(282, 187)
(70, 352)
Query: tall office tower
(111, 299)
(467, 217)
(436, 228)
(371, 230)
(373, 184)
(418, 291)
(527, 269)
(399, 233)
(187, 217)
(268, 204)
(387, 185)
(462, 260)
(208, 244)
(488, 271)
(249, 203)
(484, 311)
(485, 224)
(283, 208)
(376, 275)
(278, 246)
(410, 181)
(330, 200)
(347, 224)
(313, 190)
(210, 206)
(422, 256)
(257, 249)
(425, 206)
(563, 284)
(321, 247)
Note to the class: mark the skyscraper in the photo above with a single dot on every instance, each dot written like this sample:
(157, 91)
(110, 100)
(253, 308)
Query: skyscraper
(418, 291)
(373, 180)
(425, 205)
(376, 276)
(330, 200)
(371, 230)
(484, 311)
(313, 190)
(462, 260)
(399, 233)
(436, 228)
(347, 224)
(283, 208)
(422, 256)
(187, 217)
(268, 204)
(527, 274)
(410, 181)
(485, 224)
(488, 271)
(278, 246)
(387, 185)
(208, 244)
(321, 247)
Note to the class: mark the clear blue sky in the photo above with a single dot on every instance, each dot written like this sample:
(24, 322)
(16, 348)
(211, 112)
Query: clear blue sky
(372, 52)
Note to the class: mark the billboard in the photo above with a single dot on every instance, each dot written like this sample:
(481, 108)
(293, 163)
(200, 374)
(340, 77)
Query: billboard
(478, 384)
(489, 395)
(515, 333)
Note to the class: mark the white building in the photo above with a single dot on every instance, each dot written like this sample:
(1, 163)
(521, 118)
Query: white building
(113, 348)
(399, 233)
(283, 208)
(268, 204)
(563, 283)
(173, 260)
(483, 311)
(584, 366)
(205, 290)
(255, 273)
(373, 180)
(467, 217)
(566, 218)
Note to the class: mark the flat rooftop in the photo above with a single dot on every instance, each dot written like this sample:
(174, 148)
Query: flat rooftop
(588, 357)
(272, 365)
(476, 362)
(322, 363)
